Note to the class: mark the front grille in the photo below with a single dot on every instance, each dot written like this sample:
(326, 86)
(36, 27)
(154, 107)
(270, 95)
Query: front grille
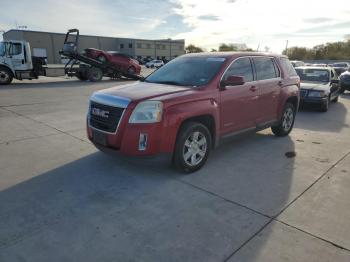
(303, 93)
(104, 117)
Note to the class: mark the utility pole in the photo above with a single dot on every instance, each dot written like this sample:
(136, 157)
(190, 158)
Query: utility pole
(286, 47)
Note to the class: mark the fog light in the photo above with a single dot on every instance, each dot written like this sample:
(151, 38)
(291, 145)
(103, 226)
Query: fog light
(142, 142)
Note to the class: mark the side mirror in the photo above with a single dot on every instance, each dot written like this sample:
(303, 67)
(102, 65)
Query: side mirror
(232, 81)
(335, 81)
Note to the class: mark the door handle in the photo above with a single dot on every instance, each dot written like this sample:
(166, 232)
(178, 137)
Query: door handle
(253, 88)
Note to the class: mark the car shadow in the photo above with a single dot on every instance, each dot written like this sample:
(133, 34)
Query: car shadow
(334, 120)
(101, 207)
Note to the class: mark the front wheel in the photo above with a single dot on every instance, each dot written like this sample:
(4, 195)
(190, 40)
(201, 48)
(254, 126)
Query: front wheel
(285, 125)
(325, 106)
(192, 147)
(6, 76)
(95, 74)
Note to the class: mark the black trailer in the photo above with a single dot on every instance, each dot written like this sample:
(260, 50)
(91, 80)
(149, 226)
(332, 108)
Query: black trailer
(84, 67)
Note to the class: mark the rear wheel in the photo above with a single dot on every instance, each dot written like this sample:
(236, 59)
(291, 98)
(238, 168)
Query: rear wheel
(6, 76)
(95, 74)
(286, 123)
(192, 147)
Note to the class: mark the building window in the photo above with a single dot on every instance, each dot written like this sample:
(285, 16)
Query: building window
(130, 45)
(139, 45)
(121, 46)
(148, 45)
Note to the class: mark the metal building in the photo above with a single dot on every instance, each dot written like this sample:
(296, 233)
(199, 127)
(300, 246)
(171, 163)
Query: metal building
(47, 44)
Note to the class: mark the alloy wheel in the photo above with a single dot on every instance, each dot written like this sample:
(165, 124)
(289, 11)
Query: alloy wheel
(195, 148)
(287, 120)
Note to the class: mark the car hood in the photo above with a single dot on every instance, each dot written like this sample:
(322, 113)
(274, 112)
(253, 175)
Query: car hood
(315, 86)
(142, 90)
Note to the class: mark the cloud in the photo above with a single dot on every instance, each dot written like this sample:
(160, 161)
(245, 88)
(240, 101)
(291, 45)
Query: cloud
(209, 17)
(317, 20)
(204, 23)
(268, 22)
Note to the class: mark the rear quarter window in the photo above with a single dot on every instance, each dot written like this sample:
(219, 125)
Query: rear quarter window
(265, 68)
(288, 67)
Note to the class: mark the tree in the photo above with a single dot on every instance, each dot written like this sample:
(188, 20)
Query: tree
(213, 50)
(227, 47)
(193, 49)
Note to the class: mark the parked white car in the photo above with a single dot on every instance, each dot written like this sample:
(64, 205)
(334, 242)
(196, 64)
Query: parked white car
(154, 63)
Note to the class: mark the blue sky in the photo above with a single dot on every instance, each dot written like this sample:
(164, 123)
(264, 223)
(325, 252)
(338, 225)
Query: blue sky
(205, 23)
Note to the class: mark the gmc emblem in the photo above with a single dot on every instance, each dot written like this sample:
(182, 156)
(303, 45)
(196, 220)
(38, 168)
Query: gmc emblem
(99, 112)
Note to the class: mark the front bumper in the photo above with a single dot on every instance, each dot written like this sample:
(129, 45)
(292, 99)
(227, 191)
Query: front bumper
(314, 100)
(126, 140)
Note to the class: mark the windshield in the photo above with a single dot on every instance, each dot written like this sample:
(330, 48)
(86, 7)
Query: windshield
(187, 71)
(2, 49)
(340, 65)
(314, 75)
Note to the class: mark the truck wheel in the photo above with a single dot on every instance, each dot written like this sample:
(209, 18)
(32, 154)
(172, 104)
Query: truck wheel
(82, 76)
(6, 76)
(286, 123)
(95, 74)
(131, 70)
(102, 59)
(192, 147)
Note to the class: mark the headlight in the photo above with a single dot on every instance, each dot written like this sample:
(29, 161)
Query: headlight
(147, 112)
(317, 94)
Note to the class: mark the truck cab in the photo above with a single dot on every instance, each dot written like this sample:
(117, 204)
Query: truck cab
(16, 61)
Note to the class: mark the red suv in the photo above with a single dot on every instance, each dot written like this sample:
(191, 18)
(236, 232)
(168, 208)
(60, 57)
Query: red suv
(187, 106)
(125, 63)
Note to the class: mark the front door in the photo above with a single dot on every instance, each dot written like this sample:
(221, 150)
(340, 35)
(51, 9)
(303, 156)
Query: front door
(17, 56)
(238, 104)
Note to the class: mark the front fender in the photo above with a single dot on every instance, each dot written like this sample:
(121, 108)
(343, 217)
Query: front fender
(175, 115)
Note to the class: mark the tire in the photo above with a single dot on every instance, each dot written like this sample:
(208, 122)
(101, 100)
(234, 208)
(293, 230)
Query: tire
(131, 70)
(81, 76)
(102, 59)
(6, 76)
(95, 74)
(325, 107)
(193, 145)
(285, 125)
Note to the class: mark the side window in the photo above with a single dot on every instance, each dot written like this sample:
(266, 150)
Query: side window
(265, 68)
(241, 67)
(15, 49)
(287, 65)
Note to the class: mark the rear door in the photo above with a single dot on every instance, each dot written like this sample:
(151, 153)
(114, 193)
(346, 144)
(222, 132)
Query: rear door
(238, 104)
(269, 82)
